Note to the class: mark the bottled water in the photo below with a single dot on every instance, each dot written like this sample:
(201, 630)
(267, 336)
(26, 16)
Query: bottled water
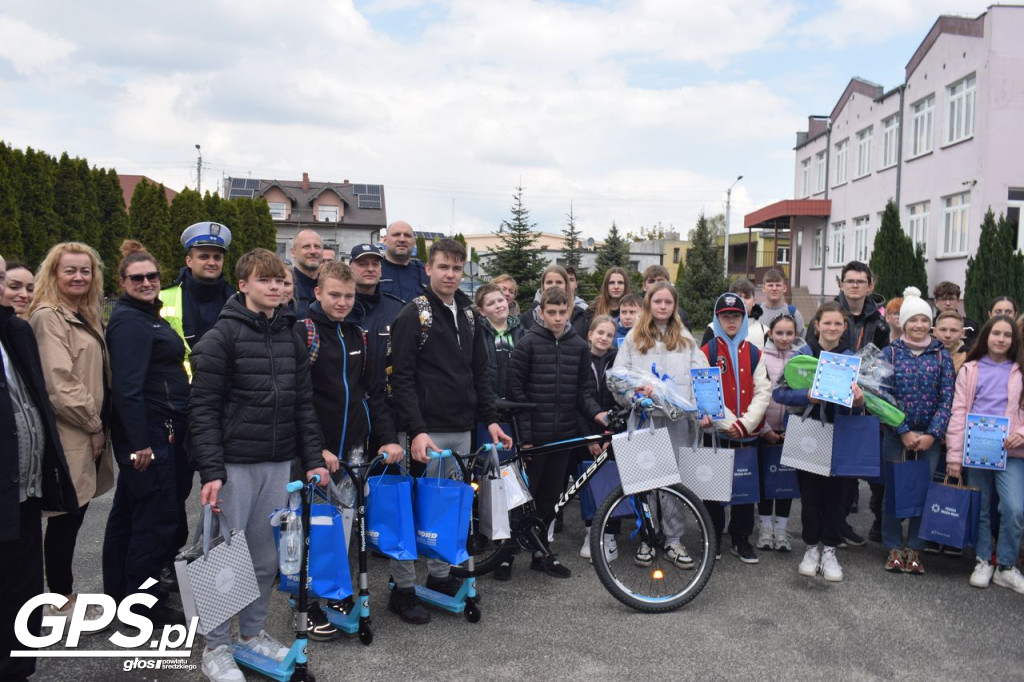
(289, 549)
(346, 489)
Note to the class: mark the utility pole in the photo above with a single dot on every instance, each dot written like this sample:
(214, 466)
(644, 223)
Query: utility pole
(199, 170)
(728, 208)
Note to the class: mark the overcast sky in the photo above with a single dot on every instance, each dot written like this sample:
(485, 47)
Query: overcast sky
(637, 111)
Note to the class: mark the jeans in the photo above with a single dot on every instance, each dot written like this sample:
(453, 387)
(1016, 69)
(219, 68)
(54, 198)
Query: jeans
(1009, 485)
(892, 527)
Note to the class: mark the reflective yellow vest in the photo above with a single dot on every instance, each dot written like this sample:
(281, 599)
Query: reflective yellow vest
(174, 312)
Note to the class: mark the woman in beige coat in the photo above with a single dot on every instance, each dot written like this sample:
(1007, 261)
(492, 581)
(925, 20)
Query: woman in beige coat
(66, 318)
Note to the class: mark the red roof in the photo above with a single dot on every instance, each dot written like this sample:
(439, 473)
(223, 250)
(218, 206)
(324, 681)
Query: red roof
(128, 183)
(821, 208)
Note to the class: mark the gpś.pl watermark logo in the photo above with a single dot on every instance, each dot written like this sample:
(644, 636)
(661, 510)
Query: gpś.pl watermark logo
(170, 651)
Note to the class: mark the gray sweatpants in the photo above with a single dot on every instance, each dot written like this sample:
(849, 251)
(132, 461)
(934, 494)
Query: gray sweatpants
(250, 495)
(404, 572)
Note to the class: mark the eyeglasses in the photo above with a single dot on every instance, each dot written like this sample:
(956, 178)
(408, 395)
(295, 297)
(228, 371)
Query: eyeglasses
(138, 279)
(855, 282)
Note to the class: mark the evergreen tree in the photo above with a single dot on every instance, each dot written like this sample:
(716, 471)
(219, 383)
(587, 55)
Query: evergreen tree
(700, 281)
(614, 252)
(11, 247)
(225, 212)
(996, 269)
(151, 224)
(894, 261)
(187, 208)
(113, 222)
(516, 253)
(572, 251)
(421, 248)
(40, 227)
(71, 202)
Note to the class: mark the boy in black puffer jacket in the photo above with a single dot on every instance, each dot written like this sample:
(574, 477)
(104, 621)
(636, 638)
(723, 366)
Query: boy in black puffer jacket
(551, 367)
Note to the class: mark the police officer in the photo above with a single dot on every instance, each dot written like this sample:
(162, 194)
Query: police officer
(195, 299)
(374, 309)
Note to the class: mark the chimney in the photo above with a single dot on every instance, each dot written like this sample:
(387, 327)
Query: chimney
(346, 181)
(305, 182)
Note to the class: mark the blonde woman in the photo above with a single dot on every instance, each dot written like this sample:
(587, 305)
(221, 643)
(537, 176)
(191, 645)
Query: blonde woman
(65, 316)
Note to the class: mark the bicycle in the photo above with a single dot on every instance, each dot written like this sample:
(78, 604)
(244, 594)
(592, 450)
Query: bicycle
(656, 587)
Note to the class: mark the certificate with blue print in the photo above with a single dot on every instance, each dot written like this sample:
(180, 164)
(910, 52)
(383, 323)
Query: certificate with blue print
(833, 380)
(707, 389)
(984, 442)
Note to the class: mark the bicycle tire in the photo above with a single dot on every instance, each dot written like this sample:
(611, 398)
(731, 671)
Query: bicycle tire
(661, 586)
(496, 552)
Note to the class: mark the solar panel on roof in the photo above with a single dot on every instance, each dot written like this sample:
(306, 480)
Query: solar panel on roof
(252, 184)
(372, 190)
(359, 189)
(367, 201)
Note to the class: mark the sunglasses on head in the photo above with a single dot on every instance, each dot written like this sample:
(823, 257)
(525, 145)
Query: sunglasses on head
(138, 279)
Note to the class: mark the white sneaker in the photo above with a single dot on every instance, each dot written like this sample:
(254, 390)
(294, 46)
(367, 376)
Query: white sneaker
(219, 665)
(585, 549)
(611, 547)
(782, 541)
(265, 645)
(809, 564)
(93, 612)
(830, 567)
(677, 554)
(764, 538)
(1010, 578)
(645, 555)
(982, 575)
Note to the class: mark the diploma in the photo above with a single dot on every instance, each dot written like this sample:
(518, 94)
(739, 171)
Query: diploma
(707, 389)
(984, 441)
(834, 377)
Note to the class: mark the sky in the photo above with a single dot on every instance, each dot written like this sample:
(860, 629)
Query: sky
(641, 112)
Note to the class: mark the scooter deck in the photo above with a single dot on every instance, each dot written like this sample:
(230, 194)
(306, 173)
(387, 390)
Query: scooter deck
(455, 604)
(267, 666)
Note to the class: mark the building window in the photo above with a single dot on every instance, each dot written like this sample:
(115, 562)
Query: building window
(675, 254)
(917, 226)
(327, 214)
(890, 140)
(864, 151)
(923, 111)
(956, 217)
(278, 211)
(782, 255)
(861, 237)
(816, 257)
(821, 172)
(805, 178)
(841, 149)
(837, 249)
(960, 124)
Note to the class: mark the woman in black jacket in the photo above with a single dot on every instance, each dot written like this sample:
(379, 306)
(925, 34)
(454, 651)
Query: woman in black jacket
(147, 521)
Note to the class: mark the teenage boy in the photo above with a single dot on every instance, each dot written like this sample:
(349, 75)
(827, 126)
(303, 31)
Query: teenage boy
(441, 387)
(757, 333)
(746, 390)
(947, 297)
(659, 273)
(250, 414)
(346, 391)
(579, 317)
(775, 289)
(551, 368)
(629, 311)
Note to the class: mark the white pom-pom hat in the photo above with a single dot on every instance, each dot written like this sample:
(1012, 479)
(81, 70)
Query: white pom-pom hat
(913, 305)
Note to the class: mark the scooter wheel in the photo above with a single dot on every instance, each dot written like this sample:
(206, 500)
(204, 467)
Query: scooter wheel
(472, 613)
(365, 634)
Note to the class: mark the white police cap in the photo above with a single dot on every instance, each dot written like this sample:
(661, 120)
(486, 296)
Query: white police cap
(206, 234)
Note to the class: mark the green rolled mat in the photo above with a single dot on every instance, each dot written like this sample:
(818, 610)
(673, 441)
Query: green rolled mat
(887, 413)
(799, 373)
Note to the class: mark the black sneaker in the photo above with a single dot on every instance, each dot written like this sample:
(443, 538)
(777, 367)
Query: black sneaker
(851, 538)
(317, 626)
(551, 566)
(932, 548)
(449, 585)
(504, 570)
(164, 614)
(407, 605)
(743, 549)
(169, 579)
(875, 534)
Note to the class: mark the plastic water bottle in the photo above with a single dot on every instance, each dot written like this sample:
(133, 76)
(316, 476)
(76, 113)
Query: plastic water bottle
(346, 489)
(289, 550)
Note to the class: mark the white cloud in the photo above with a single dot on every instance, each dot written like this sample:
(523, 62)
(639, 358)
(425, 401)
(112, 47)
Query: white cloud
(28, 49)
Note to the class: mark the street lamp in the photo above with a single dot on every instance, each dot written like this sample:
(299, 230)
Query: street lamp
(199, 170)
(728, 207)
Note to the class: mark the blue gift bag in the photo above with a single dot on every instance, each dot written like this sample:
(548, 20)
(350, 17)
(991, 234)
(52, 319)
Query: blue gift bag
(328, 575)
(598, 487)
(856, 446)
(442, 510)
(906, 485)
(390, 526)
(779, 482)
(746, 486)
(950, 515)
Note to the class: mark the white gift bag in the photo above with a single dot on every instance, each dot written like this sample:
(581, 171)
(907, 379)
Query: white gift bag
(808, 445)
(646, 459)
(707, 471)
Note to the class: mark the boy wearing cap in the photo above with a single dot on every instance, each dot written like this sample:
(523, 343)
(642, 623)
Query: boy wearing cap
(746, 390)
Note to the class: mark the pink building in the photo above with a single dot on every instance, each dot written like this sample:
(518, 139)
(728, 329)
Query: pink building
(946, 145)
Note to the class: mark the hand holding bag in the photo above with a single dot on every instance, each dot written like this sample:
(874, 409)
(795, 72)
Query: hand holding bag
(950, 514)
(906, 486)
(216, 575)
(707, 471)
(646, 459)
(808, 444)
(494, 508)
(390, 526)
(442, 509)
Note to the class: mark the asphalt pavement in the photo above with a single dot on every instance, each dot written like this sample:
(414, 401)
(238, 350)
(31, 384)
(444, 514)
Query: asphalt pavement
(751, 622)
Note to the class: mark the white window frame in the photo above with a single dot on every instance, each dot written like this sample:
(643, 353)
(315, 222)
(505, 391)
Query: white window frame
(328, 214)
(842, 147)
(864, 140)
(782, 255)
(820, 187)
(817, 252)
(837, 247)
(805, 177)
(278, 210)
(861, 239)
(917, 224)
(960, 110)
(890, 141)
(956, 217)
(923, 119)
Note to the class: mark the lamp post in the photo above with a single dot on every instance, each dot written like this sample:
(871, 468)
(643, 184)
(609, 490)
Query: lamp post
(728, 208)
(199, 170)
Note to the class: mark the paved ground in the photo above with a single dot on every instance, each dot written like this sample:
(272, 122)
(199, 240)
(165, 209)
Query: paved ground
(751, 622)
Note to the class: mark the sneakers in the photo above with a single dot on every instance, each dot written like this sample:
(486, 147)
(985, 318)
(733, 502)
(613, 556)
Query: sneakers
(810, 563)
(744, 551)
(982, 574)
(449, 585)
(932, 548)
(782, 541)
(407, 605)
(952, 551)
(318, 627)
(895, 561)
(1010, 578)
(219, 665)
(830, 567)
(585, 549)
(93, 612)
(265, 645)
(611, 548)
(504, 570)
(912, 563)
(851, 538)
(644, 556)
(764, 538)
(677, 554)
(551, 566)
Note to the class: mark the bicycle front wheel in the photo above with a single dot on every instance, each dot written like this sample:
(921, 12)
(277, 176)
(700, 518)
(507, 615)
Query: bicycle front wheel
(644, 573)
